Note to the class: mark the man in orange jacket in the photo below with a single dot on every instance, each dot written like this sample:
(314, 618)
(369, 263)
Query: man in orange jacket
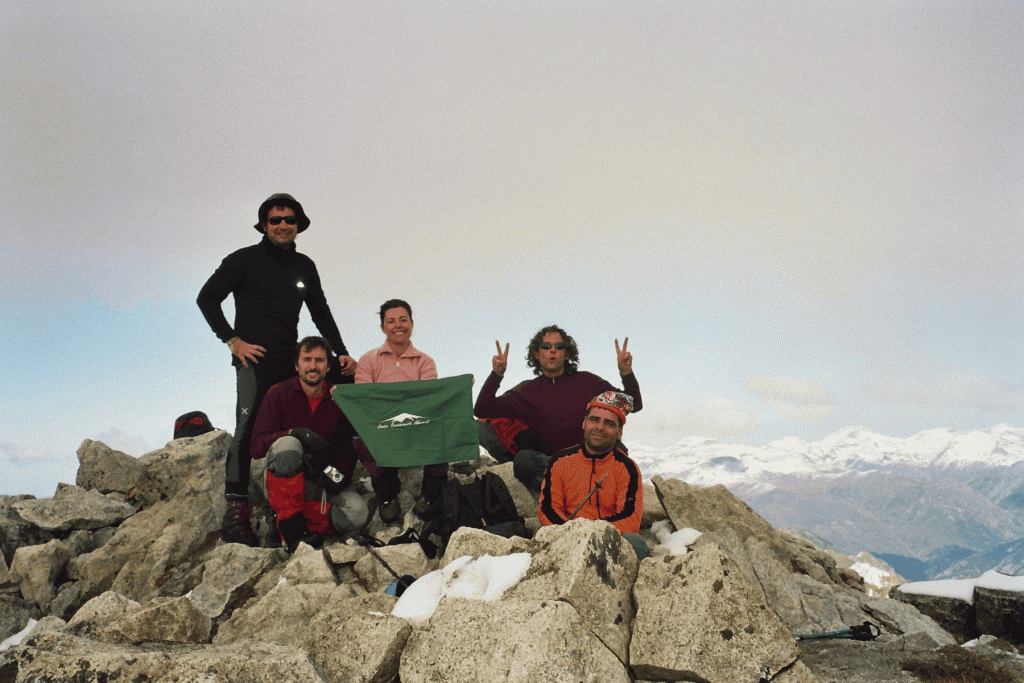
(597, 480)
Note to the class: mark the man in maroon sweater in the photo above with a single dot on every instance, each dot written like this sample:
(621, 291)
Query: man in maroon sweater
(553, 404)
(308, 444)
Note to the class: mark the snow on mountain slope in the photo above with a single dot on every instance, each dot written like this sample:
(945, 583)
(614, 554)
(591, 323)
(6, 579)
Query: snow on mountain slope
(704, 462)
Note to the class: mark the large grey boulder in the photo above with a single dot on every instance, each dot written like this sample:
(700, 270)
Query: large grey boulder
(37, 567)
(75, 508)
(167, 620)
(308, 565)
(356, 639)
(103, 469)
(477, 542)
(281, 616)
(515, 641)
(229, 576)
(101, 617)
(900, 619)
(699, 619)
(184, 467)
(589, 565)
(713, 508)
(1000, 613)
(57, 656)
(953, 614)
(183, 488)
(15, 532)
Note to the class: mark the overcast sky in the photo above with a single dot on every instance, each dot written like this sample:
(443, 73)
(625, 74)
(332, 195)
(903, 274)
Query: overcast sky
(803, 215)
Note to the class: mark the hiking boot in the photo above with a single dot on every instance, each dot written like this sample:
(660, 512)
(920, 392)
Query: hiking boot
(390, 511)
(236, 527)
(422, 508)
(465, 467)
(294, 531)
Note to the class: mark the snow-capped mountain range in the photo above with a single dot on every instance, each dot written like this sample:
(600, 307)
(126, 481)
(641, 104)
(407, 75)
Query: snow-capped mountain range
(705, 462)
(923, 503)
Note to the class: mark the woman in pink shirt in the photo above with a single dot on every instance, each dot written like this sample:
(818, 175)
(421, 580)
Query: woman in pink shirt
(397, 360)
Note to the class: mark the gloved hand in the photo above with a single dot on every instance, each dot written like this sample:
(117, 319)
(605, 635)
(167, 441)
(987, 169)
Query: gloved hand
(310, 440)
(527, 440)
(314, 448)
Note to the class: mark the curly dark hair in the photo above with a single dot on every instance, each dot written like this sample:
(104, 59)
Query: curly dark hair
(572, 352)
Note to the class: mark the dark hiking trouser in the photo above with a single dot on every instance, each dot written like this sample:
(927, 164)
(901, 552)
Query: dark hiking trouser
(386, 483)
(253, 383)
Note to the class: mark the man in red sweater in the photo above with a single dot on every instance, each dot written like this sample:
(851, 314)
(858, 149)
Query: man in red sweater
(597, 480)
(308, 444)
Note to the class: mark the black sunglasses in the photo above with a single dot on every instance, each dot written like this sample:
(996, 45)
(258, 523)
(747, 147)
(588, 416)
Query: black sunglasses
(547, 345)
(290, 220)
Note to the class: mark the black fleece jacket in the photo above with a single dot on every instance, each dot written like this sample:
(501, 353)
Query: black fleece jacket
(270, 285)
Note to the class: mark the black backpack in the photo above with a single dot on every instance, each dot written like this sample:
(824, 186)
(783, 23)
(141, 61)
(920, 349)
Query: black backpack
(483, 502)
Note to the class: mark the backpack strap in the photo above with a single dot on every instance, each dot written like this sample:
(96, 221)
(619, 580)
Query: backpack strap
(465, 495)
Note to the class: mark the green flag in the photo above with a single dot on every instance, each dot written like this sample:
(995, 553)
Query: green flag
(420, 422)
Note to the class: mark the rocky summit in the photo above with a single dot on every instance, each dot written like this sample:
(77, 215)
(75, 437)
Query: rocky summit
(123, 577)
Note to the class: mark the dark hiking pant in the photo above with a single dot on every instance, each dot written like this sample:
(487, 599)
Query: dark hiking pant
(253, 383)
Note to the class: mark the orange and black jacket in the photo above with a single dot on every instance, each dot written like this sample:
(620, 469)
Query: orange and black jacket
(572, 475)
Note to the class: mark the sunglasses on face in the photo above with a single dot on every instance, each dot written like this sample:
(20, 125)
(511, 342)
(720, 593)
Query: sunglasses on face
(290, 220)
(547, 345)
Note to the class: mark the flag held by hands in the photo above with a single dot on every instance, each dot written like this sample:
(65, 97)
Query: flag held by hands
(420, 422)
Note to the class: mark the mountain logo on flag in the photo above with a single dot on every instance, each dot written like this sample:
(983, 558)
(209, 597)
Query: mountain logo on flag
(403, 420)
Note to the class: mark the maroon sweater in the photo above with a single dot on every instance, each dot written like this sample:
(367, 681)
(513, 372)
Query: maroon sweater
(286, 407)
(553, 407)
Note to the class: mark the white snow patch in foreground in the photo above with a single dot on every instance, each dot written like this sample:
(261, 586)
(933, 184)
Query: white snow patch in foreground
(963, 589)
(673, 542)
(485, 578)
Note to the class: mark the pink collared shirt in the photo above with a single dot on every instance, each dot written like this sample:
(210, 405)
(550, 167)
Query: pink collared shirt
(382, 365)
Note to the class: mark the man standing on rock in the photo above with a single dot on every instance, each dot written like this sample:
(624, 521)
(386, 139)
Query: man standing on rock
(270, 281)
(597, 480)
(310, 459)
(552, 405)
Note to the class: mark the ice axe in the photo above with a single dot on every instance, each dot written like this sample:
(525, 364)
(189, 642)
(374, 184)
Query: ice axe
(584, 502)
(866, 631)
(401, 582)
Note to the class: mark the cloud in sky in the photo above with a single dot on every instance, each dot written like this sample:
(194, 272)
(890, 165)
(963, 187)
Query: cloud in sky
(790, 398)
(665, 423)
(14, 455)
(936, 387)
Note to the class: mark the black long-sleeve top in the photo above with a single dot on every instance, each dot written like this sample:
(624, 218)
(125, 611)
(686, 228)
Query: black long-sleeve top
(270, 285)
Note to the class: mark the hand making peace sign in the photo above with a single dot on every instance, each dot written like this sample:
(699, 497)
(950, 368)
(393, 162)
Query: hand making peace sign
(624, 358)
(500, 361)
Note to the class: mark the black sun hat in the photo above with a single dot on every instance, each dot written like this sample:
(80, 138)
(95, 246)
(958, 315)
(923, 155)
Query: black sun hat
(282, 199)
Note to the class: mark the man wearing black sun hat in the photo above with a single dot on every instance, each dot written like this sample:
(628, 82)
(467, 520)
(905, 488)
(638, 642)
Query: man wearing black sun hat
(270, 281)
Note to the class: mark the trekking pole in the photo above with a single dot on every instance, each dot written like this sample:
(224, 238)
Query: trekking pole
(403, 581)
(592, 492)
(866, 631)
